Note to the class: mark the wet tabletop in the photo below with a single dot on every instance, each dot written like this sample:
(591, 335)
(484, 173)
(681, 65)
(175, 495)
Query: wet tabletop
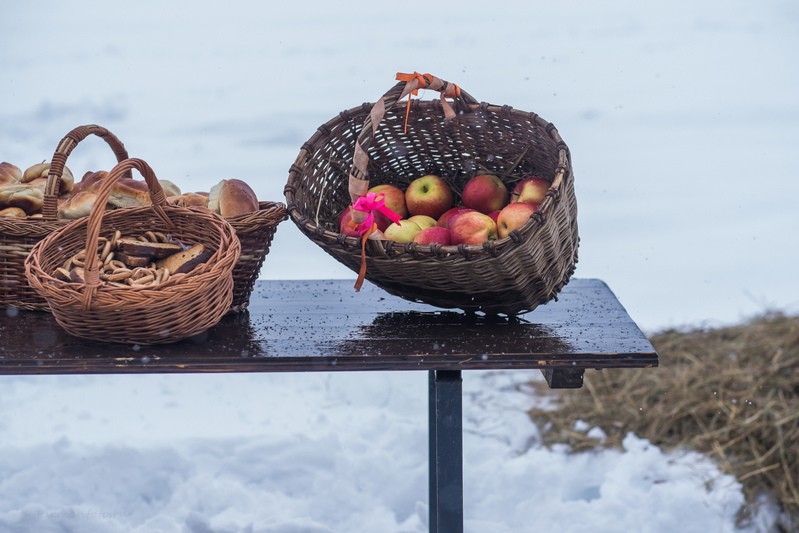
(324, 325)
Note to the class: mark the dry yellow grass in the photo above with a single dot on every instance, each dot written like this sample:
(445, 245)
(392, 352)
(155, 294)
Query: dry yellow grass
(731, 393)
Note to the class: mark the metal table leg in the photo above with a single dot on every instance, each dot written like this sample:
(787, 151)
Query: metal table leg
(446, 451)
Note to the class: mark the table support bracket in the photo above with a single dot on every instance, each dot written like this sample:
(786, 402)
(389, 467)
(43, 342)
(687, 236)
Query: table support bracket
(564, 378)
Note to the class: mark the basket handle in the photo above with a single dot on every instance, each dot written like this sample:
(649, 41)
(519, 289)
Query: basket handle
(59, 161)
(407, 85)
(123, 168)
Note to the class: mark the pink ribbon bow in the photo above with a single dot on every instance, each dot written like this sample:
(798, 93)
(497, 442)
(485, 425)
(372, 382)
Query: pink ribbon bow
(369, 204)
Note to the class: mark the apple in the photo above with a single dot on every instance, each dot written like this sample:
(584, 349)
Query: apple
(494, 216)
(449, 214)
(472, 227)
(394, 197)
(514, 216)
(402, 231)
(423, 221)
(382, 221)
(485, 193)
(429, 195)
(434, 235)
(531, 189)
(344, 223)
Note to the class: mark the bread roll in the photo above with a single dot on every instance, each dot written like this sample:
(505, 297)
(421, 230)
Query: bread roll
(40, 183)
(29, 199)
(232, 198)
(128, 192)
(13, 212)
(170, 189)
(90, 181)
(35, 171)
(9, 174)
(42, 170)
(189, 199)
(77, 205)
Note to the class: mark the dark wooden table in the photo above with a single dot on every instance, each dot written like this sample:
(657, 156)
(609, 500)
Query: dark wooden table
(324, 325)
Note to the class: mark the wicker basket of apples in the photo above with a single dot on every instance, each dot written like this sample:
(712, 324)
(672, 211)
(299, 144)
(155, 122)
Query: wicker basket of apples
(449, 202)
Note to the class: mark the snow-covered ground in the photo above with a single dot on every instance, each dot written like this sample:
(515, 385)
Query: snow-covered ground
(682, 118)
(318, 453)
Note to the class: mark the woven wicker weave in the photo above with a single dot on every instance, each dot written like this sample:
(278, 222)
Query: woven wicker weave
(255, 232)
(19, 235)
(178, 308)
(510, 275)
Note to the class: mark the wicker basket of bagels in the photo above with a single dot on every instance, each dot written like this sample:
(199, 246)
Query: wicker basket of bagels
(450, 202)
(45, 196)
(153, 274)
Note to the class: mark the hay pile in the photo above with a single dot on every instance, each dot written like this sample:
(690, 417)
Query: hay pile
(731, 393)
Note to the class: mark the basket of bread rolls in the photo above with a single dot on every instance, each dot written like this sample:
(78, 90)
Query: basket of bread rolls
(46, 196)
(29, 211)
(152, 274)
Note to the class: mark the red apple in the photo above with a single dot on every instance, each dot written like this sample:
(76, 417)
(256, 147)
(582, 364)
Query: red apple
(429, 195)
(402, 231)
(473, 227)
(531, 189)
(434, 235)
(423, 221)
(394, 197)
(448, 215)
(382, 221)
(344, 223)
(485, 193)
(494, 215)
(514, 216)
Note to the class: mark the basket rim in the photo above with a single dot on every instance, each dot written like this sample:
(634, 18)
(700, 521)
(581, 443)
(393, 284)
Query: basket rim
(465, 251)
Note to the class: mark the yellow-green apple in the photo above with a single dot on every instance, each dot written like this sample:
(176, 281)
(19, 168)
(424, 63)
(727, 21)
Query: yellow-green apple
(402, 231)
(429, 195)
(449, 214)
(434, 235)
(531, 189)
(423, 221)
(485, 193)
(514, 216)
(472, 227)
(344, 223)
(394, 198)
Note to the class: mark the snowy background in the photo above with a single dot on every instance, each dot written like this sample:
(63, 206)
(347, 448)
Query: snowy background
(682, 118)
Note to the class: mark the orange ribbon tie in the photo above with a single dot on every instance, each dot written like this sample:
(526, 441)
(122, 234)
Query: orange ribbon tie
(362, 270)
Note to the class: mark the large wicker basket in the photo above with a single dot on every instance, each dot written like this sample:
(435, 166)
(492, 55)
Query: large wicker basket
(19, 235)
(183, 306)
(386, 143)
